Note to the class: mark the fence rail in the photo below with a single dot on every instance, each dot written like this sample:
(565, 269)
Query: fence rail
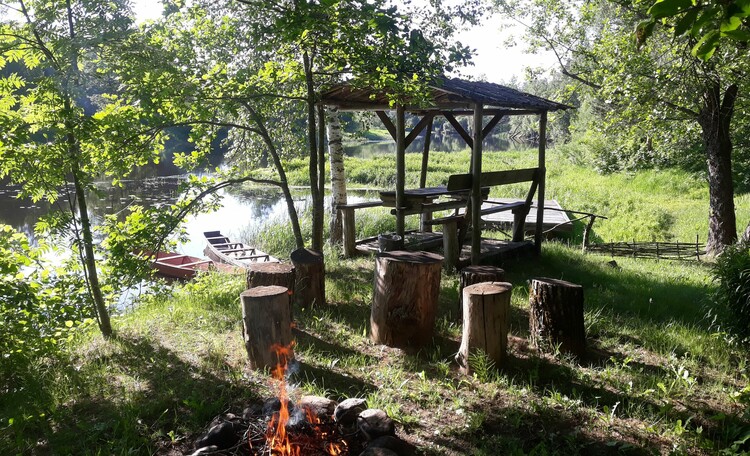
(658, 250)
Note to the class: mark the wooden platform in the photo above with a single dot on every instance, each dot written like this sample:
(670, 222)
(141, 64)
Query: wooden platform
(555, 219)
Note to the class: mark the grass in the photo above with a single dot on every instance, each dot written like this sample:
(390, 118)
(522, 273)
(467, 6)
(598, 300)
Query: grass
(662, 376)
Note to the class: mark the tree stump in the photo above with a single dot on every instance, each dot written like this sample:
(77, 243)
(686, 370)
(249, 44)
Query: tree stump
(310, 286)
(477, 274)
(266, 321)
(404, 299)
(486, 309)
(265, 274)
(556, 316)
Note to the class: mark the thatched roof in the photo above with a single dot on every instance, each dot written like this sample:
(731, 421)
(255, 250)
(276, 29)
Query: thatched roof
(447, 94)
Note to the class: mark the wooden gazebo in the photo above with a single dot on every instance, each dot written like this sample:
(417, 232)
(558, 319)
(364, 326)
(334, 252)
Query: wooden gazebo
(452, 98)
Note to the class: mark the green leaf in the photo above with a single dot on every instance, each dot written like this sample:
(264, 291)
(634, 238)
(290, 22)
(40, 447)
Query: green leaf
(69, 323)
(643, 31)
(737, 35)
(707, 16)
(666, 8)
(707, 45)
(687, 21)
(730, 24)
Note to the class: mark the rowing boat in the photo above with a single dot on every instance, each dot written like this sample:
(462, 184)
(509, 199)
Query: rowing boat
(221, 249)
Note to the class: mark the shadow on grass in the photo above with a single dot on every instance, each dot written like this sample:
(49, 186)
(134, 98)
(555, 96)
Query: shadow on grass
(130, 398)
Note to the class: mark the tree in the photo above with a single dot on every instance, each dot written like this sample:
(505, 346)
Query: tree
(655, 90)
(709, 23)
(57, 124)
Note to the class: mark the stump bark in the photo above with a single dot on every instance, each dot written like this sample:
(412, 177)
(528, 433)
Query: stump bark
(486, 309)
(266, 321)
(476, 274)
(404, 300)
(556, 316)
(310, 286)
(265, 274)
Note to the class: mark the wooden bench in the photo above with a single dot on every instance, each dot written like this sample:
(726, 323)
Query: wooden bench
(520, 209)
(347, 215)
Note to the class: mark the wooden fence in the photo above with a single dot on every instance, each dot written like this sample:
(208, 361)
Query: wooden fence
(657, 250)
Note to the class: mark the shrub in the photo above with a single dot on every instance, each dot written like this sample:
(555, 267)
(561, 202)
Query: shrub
(732, 272)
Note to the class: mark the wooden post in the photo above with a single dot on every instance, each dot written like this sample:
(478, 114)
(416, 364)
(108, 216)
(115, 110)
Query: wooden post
(476, 185)
(310, 288)
(519, 223)
(451, 245)
(426, 153)
(477, 274)
(350, 241)
(486, 308)
(556, 315)
(587, 233)
(266, 321)
(404, 300)
(400, 169)
(542, 182)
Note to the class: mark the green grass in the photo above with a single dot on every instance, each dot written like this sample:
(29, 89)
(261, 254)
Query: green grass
(662, 377)
(650, 205)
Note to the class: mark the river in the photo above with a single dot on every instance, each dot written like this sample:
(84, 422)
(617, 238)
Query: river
(158, 185)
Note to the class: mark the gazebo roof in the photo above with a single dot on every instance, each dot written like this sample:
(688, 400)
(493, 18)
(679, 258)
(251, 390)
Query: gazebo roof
(447, 94)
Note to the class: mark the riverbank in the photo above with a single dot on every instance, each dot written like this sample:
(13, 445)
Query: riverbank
(663, 375)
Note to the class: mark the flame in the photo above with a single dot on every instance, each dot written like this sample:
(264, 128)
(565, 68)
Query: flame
(276, 434)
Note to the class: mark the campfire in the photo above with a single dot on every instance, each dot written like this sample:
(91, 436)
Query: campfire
(322, 439)
(314, 426)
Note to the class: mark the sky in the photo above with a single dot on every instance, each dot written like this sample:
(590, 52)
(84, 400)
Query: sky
(493, 60)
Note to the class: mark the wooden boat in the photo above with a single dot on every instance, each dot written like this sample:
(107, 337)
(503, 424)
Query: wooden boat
(177, 266)
(221, 249)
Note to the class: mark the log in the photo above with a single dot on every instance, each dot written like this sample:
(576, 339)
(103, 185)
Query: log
(486, 308)
(476, 274)
(556, 316)
(310, 286)
(404, 299)
(264, 274)
(266, 322)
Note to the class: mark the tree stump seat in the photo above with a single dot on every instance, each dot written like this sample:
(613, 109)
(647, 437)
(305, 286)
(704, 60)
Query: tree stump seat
(310, 286)
(486, 309)
(266, 321)
(476, 274)
(556, 316)
(404, 300)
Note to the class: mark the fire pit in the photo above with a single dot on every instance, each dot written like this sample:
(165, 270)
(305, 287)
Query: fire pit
(315, 426)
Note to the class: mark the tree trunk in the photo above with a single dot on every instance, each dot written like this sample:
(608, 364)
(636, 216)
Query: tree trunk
(317, 198)
(260, 123)
(746, 234)
(556, 316)
(715, 119)
(266, 322)
(405, 297)
(310, 286)
(486, 309)
(338, 174)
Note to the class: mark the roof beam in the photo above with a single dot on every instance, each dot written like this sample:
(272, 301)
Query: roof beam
(418, 129)
(491, 125)
(388, 123)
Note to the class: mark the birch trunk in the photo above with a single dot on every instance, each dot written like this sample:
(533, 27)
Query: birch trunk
(338, 174)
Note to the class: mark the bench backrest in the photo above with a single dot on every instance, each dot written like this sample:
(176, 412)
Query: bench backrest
(511, 176)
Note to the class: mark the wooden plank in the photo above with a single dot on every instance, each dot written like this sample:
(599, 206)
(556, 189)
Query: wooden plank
(554, 216)
(459, 129)
(418, 129)
(361, 205)
(426, 153)
(387, 123)
(510, 176)
(491, 125)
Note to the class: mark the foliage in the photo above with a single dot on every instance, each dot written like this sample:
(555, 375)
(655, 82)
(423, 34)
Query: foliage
(732, 273)
(710, 23)
(37, 310)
